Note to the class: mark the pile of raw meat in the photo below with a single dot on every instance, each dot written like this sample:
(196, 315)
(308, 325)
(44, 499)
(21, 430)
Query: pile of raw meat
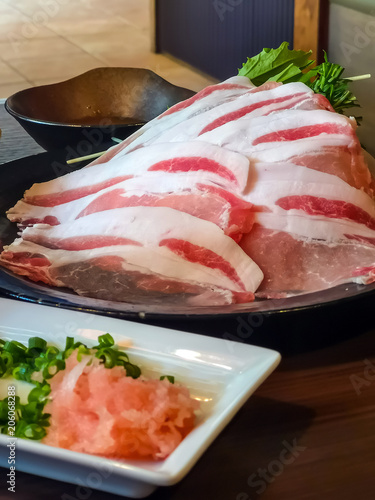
(239, 190)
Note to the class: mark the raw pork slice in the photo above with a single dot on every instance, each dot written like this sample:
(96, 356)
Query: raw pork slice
(249, 105)
(312, 230)
(127, 254)
(281, 187)
(227, 169)
(330, 230)
(293, 264)
(318, 139)
(187, 192)
(206, 99)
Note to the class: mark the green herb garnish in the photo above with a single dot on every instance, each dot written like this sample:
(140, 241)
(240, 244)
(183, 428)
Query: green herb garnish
(280, 65)
(326, 79)
(286, 66)
(109, 354)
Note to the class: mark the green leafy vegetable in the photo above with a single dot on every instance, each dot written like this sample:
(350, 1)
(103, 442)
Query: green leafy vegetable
(286, 66)
(280, 65)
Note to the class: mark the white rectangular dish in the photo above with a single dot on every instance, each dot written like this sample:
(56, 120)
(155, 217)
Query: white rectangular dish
(221, 374)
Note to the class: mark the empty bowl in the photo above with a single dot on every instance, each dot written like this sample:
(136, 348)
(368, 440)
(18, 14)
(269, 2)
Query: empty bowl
(84, 112)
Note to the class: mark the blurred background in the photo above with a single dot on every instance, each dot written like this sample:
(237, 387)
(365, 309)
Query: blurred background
(191, 43)
(46, 41)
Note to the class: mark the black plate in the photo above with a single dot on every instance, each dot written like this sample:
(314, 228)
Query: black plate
(321, 316)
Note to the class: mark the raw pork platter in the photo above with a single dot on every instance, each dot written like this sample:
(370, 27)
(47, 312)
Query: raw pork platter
(241, 198)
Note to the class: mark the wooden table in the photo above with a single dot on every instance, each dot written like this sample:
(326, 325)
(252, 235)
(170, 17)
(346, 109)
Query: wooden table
(308, 433)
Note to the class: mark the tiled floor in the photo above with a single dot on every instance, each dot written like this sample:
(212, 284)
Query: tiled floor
(46, 41)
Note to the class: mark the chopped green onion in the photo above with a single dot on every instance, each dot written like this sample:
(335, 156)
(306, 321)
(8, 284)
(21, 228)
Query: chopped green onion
(132, 371)
(16, 349)
(69, 343)
(3, 367)
(105, 340)
(39, 394)
(34, 431)
(22, 372)
(37, 343)
(7, 359)
(107, 356)
(51, 352)
(52, 368)
(122, 357)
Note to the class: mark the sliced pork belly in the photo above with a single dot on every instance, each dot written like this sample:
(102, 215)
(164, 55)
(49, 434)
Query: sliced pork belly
(312, 230)
(293, 265)
(125, 254)
(330, 230)
(207, 98)
(227, 169)
(281, 187)
(217, 105)
(293, 125)
(344, 161)
(248, 105)
(188, 192)
(299, 136)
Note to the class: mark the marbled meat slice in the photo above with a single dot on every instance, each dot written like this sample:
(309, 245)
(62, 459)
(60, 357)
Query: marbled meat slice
(293, 264)
(127, 254)
(227, 169)
(188, 192)
(207, 98)
(300, 137)
(249, 105)
(312, 230)
(281, 187)
(328, 230)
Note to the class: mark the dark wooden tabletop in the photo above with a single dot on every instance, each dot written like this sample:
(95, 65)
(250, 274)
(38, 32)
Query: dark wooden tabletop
(308, 433)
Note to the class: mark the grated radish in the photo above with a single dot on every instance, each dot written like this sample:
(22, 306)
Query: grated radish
(100, 411)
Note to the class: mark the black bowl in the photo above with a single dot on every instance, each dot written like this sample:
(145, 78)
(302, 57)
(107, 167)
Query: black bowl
(83, 113)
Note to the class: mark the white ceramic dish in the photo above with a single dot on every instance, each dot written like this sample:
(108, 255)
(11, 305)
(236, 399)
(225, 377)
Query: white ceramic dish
(222, 374)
